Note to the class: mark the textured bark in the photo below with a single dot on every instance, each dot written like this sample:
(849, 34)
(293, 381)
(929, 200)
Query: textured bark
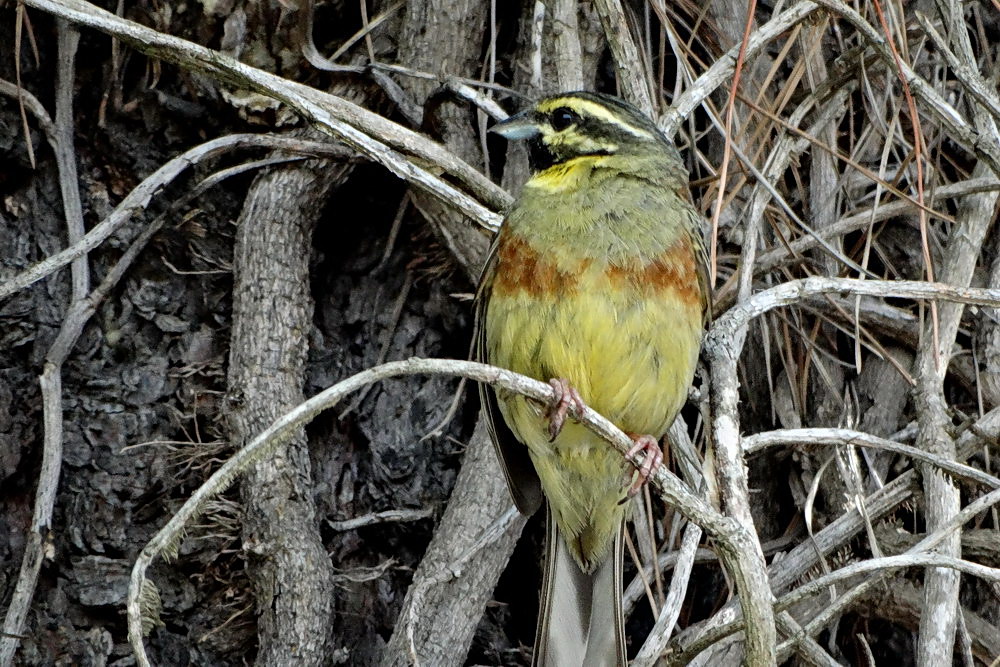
(145, 395)
(941, 495)
(457, 575)
(445, 37)
(272, 315)
(988, 338)
(901, 603)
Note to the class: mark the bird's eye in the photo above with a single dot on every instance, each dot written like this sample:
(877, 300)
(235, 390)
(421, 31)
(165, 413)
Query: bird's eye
(563, 118)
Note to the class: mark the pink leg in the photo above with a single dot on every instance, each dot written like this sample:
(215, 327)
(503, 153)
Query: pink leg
(654, 457)
(566, 397)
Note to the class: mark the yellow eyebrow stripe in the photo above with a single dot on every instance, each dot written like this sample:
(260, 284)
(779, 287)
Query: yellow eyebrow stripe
(588, 108)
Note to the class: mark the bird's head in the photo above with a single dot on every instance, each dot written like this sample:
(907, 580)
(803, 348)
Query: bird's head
(578, 124)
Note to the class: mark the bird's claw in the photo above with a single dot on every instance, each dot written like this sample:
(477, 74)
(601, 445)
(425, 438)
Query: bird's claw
(565, 397)
(652, 461)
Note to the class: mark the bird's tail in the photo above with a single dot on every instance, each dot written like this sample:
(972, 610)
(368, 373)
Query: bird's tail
(580, 621)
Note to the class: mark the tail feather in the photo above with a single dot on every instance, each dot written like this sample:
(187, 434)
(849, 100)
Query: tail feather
(580, 620)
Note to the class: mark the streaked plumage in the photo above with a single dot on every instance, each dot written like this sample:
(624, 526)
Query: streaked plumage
(597, 276)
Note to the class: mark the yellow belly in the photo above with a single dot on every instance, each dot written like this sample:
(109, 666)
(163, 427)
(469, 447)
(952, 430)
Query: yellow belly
(631, 354)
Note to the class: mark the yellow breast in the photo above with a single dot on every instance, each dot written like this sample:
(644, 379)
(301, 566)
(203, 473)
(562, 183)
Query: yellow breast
(627, 338)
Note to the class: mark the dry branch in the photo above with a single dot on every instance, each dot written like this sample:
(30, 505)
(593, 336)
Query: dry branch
(723, 67)
(368, 133)
(959, 128)
(292, 575)
(834, 608)
(939, 619)
(79, 313)
(723, 348)
(848, 438)
(629, 63)
(735, 542)
(459, 571)
(61, 139)
(138, 199)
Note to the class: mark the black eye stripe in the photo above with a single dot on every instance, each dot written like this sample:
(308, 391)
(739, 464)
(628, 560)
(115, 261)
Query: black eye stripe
(562, 118)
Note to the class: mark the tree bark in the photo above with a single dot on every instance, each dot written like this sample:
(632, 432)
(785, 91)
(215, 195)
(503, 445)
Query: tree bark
(445, 37)
(272, 316)
(456, 577)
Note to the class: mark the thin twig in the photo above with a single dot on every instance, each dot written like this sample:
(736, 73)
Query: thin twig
(374, 518)
(76, 318)
(816, 624)
(734, 541)
(372, 135)
(842, 437)
(69, 185)
(140, 196)
(660, 634)
(51, 378)
(722, 69)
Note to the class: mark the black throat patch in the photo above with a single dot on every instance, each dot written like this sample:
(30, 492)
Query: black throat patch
(540, 157)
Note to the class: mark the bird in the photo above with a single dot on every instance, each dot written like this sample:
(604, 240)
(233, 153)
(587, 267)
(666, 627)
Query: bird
(596, 282)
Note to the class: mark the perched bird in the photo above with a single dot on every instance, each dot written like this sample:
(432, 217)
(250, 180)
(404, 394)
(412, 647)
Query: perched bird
(596, 282)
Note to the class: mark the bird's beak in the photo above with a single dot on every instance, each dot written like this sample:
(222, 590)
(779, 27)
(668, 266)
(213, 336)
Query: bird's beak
(519, 126)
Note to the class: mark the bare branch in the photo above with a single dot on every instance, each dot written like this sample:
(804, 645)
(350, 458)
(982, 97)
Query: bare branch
(629, 63)
(960, 129)
(820, 622)
(722, 69)
(660, 634)
(735, 542)
(847, 438)
(370, 134)
(138, 199)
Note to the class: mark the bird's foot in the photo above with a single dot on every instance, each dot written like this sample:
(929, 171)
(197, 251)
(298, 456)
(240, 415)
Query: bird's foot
(566, 397)
(654, 457)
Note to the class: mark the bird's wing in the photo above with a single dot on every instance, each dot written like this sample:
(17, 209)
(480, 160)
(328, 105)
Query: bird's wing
(522, 480)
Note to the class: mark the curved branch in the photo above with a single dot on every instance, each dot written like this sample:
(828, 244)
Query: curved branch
(929, 542)
(368, 133)
(723, 348)
(815, 625)
(887, 563)
(959, 129)
(139, 197)
(722, 69)
(797, 291)
(735, 541)
(753, 444)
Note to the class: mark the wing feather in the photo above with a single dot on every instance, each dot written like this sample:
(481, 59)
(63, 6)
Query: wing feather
(522, 480)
